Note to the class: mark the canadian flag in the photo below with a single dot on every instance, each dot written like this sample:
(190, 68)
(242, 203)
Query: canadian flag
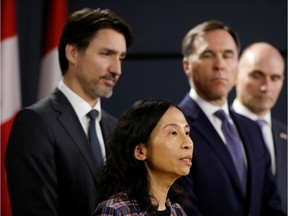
(10, 88)
(50, 68)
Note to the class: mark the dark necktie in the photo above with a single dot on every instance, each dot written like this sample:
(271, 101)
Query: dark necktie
(95, 145)
(234, 146)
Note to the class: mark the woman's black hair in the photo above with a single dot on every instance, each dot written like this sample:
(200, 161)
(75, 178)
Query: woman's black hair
(122, 172)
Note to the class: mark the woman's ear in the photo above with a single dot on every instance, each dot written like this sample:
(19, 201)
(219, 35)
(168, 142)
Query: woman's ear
(140, 152)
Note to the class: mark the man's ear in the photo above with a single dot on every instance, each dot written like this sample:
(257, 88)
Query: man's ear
(71, 53)
(186, 66)
(140, 152)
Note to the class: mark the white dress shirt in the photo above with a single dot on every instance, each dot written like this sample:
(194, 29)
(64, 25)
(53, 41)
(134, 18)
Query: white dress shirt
(81, 108)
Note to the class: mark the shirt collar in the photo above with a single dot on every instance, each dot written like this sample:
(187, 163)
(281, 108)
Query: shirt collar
(241, 109)
(208, 108)
(80, 106)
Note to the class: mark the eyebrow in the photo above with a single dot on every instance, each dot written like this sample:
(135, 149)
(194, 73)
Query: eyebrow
(208, 50)
(174, 124)
(263, 74)
(113, 50)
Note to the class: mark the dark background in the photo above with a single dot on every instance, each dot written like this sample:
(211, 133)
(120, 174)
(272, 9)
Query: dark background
(153, 65)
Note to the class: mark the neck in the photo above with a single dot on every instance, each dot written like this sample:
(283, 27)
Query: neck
(159, 191)
(77, 89)
(160, 196)
(219, 101)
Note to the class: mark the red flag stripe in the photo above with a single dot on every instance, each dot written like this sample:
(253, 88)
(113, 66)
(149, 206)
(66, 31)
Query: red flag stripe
(10, 89)
(56, 18)
(50, 68)
(8, 19)
(5, 200)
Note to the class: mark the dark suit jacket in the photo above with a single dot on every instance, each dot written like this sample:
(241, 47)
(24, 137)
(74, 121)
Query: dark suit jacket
(212, 186)
(279, 131)
(50, 166)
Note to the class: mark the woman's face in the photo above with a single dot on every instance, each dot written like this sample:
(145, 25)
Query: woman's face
(168, 154)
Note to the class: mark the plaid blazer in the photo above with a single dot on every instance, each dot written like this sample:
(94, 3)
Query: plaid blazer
(120, 204)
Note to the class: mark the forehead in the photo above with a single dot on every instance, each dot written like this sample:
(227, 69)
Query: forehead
(110, 39)
(215, 39)
(267, 62)
(172, 116)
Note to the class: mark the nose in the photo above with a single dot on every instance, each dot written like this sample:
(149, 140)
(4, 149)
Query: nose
(219, 63)
(188, 143)
(115, 67)
(265, 85)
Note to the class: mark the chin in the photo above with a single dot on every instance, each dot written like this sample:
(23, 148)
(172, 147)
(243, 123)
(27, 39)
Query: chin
(185, 173)
(107, 94)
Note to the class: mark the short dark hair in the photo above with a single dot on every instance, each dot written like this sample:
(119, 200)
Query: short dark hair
(202, 28)
(134, 127)
(82, 26)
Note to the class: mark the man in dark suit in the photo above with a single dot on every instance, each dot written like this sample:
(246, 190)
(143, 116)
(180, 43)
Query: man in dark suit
(259, 83)
(230, 174)
(51, 167)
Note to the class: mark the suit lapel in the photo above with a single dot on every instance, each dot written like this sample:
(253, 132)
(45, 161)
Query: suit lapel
(199, 122)
(69, 120)
(280, 144)
(106, 124)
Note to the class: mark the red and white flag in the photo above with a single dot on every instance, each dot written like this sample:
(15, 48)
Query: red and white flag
(10, 88)
(50, 68)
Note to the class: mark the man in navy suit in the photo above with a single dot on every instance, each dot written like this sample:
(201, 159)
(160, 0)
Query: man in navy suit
(51, 168)
(259, 83)
(216, 186)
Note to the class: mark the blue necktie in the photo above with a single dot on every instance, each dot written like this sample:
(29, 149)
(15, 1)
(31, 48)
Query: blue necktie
(234, 146)
(261, 123)
(95, 145)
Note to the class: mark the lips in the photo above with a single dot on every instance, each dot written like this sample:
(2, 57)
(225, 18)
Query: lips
(219, 79)
(187, 160)
(110, 81)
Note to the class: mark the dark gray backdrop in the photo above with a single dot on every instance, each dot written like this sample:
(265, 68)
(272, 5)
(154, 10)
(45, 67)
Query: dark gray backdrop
(153, 66)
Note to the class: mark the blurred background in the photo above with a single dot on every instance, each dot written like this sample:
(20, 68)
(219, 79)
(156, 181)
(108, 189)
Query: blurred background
(153, 65)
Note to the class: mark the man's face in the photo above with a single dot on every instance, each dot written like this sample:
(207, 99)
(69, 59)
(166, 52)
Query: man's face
(212, 67)
(98, 68)
(260, 81)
